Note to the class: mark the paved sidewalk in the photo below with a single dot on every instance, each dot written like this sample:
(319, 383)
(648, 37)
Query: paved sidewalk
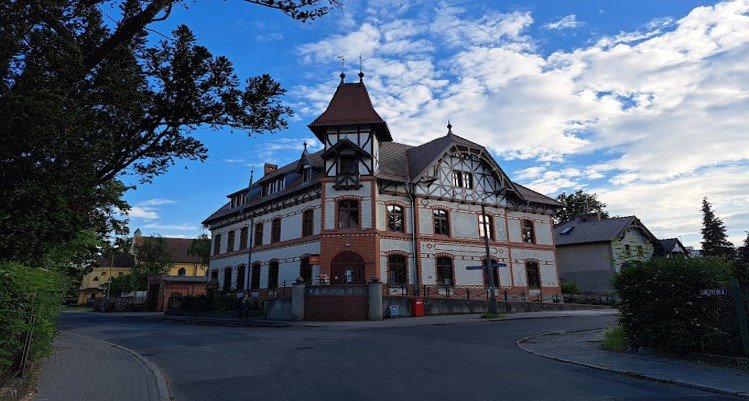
(85, 369)
(438, 320)
(583, 348)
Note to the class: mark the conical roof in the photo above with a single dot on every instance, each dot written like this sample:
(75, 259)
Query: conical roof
(350, 105)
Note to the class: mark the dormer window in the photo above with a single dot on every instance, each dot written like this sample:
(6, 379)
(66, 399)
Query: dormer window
(307, 173)
(277, 185)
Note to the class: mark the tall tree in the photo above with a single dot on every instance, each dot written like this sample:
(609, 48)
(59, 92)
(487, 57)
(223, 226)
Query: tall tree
(201, 247)
(742, 253)
(578, 204)
(714, 239)
(84, 102)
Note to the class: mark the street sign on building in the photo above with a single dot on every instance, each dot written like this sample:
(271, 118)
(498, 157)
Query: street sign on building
(714, 292)
(494, 265)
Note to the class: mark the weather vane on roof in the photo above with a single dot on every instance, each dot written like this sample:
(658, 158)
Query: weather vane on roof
(361, 72)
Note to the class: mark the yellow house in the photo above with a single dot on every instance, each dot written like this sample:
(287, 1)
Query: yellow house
(93, 283)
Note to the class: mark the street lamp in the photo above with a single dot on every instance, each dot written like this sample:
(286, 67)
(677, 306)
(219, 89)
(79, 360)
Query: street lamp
(489, 268)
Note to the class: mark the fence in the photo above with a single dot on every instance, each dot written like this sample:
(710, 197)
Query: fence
(468, 293)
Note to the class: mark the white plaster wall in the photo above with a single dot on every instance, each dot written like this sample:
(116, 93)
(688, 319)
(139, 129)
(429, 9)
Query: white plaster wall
(381, 212)
(288, 258)
(546, 264)
(634, 237)
(542, 225)
(405, 246)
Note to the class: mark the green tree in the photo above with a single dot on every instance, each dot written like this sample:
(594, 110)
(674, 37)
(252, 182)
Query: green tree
(201, 247)
(743, 251)
(578, 204)
(84, 102)
(714, 239)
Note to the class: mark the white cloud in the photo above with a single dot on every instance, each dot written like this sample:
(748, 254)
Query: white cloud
(156, 202)
(658, 110)
(566, 22)
(172, 227)
(147, 209)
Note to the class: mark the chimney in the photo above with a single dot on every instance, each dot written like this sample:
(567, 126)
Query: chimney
(269, 168)
(593, 216)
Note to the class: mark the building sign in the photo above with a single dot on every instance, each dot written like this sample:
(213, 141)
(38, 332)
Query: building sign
(314, 259)
(713, 292)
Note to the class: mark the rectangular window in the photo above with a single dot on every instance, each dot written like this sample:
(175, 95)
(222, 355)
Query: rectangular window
(273, 275)
(349, 165)
(444, 271)
(640, 251)
(467, 180)
(275, 231)
(230, 241)
(441, 222)
(348, 214)
(305, 270)
(527, 232)
(307, 174)
(308, 223)
(243, 232)
(217, 244)
(486, 226)
(255, 277)
(258, 240)
(457, 178)
(627, 250)
(534, 275)
(397, 270)
(395, 218)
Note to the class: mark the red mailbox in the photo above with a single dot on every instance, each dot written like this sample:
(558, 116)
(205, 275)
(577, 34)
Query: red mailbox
(417, 307)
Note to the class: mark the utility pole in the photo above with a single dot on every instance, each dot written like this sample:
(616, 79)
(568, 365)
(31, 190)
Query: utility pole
(489, 268)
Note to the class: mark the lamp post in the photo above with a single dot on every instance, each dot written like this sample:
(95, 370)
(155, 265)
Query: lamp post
(489, 269)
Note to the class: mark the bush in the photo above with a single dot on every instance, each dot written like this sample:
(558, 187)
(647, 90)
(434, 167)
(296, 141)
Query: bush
(615, 339)
(570, 287)
(213, 302)
(29, 301)
(660, 307)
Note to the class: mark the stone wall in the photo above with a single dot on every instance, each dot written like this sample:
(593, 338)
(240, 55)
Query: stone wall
(438, 306)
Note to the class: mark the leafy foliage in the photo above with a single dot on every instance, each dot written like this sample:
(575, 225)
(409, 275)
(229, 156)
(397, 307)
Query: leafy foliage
(660, 306)
(85, 102)
(26, 294)
(615, 339)
(201, 247)
(570, 287)
(714, 239)
(578, 204)
(742, 254)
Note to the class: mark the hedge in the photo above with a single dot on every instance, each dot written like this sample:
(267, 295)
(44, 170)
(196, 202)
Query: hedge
(26, 293)
(660, 306)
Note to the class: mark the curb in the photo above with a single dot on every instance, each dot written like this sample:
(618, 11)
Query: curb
(164, 392)
(656, 379)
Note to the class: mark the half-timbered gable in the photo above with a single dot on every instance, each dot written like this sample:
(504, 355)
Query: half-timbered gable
(365, 207)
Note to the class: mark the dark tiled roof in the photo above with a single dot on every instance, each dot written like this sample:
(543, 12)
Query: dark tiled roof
(420, 157)
(350, 105)
(119, 260)
(179, 247)
(392, 157)
(587, 231)
(667, 245)
(533, 196)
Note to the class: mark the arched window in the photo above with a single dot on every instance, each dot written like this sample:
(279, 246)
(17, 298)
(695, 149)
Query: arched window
(275, 230)
(445, 271)
(395, 218)
(441, 222)
(230, 241)
(347, 268)
(397, 272)
(533, 273)
(348, 214)
(486, 225)
(273, 274)
(527, 232)
(495, 277)
(258, 238)
(308, 223)
(305, 270)
(255, 277)
(227, 279)
(240, 277)
(181, 271)
(96, 278)
(243, 234)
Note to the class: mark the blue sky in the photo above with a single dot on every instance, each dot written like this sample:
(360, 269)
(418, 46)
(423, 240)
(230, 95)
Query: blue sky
(642, 102)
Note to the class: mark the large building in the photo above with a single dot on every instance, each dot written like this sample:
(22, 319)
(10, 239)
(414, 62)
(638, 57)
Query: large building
(365, 207)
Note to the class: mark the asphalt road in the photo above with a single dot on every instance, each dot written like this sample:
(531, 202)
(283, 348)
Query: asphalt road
(476, 361)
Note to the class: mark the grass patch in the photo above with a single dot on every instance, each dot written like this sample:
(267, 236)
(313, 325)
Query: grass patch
(489, 315)
(614, 339)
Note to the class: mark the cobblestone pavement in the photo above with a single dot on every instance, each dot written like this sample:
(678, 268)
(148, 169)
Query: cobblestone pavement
(85, 369)
(583, 347)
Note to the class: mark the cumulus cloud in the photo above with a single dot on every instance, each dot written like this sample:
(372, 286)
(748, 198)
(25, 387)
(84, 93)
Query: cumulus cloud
(634, 115)
(566, 22)
(148, 209)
